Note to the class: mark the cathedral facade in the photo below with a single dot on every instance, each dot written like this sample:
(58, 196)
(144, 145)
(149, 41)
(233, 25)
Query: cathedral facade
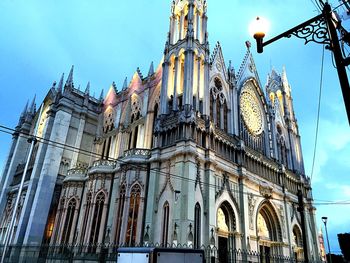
(194, 153)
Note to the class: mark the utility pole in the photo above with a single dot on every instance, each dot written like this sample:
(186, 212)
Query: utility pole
(302, 216)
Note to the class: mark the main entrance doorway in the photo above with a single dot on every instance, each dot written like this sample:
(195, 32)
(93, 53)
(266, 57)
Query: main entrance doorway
(223, 249)
(264, 254)
(226, 226)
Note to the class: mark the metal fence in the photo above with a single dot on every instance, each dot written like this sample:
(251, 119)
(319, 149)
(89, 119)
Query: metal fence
(106, 253)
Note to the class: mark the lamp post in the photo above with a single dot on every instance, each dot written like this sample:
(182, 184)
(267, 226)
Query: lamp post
(321, 29)
(324, 219)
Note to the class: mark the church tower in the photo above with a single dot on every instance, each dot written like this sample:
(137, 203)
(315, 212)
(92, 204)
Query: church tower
(186, 57)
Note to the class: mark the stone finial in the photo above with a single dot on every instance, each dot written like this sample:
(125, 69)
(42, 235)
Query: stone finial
(60, 84)
(69, 82)
(25, 109)
(32, 108)
(125, 84)
(151, 69)
(87, 90)
(101, 95)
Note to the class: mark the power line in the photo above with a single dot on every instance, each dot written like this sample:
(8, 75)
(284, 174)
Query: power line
(90, 153)
(318, 114)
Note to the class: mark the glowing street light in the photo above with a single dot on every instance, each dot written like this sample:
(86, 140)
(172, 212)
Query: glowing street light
(321, 29)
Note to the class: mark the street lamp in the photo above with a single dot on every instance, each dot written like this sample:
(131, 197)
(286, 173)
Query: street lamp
(324, 219)
(321, 29)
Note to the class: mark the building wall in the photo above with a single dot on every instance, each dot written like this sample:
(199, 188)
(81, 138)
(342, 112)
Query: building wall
(195, 153)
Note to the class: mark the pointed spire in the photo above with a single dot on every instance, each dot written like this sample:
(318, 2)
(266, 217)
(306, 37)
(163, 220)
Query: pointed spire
(60, 84)
(101, 95)
(87, 90)
(32, 108)
(125, 84)
(151, 69)
(25, 109)
(69, 82)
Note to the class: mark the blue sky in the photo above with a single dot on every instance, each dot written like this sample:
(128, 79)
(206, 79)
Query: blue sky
(107, 40)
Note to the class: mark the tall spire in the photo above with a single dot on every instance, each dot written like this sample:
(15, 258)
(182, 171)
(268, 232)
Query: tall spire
(69, 82)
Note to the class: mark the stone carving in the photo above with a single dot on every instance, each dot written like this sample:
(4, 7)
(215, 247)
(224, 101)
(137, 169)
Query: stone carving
(265, 190)
(251, 206)
(283, 223)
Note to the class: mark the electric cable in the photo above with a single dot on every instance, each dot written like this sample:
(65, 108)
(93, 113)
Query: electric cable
(178, 177)
(318, 114)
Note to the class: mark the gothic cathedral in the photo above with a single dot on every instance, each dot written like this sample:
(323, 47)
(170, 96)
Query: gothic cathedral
(194, 153)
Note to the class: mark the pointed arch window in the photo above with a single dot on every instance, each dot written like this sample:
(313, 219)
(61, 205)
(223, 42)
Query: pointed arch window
(120, 213)
(97, 218)
(70, 216)
(134, 205)
(165, 224)
(197, 225)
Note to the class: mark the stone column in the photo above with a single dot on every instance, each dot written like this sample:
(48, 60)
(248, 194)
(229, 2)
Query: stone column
(206, 99)
(176, 73)
(47, 180)
(198, 81)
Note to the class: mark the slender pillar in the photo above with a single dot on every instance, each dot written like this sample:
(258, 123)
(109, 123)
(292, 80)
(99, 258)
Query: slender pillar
(176, 72)
(198, 80)
(181, 31)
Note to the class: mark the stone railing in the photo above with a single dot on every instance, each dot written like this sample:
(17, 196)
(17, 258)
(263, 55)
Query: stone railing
(76, 171)
(137, 152)
(105, 163)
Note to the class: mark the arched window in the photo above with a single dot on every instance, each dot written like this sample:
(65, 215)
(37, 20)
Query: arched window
(97, 218)
(120, 212)
(218, 113)
(134, 205)
(197, 225)
(136, 132)
(211, 107)
(86, 216)
(69, 221)
(165, 224)
(225, 116)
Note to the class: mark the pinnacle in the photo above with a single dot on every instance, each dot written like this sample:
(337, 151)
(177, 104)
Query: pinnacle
(60, 84)
(87, 90)
(125, 84)
(69, 82)
(151, 69)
